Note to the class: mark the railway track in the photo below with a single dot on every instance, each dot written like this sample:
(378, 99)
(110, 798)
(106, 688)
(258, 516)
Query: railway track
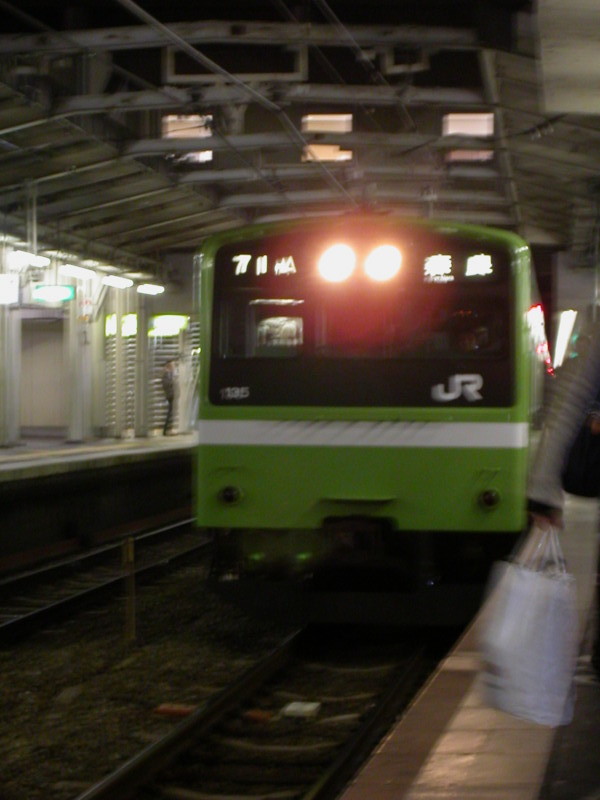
(32, 599)
(296, 725)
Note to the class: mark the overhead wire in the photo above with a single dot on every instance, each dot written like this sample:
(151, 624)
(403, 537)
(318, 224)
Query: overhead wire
(327, 11)
(362, 57)
(535, 131)
(378, 78)
(287, 124)
(132, 78)
(326, 62)
(41, 26)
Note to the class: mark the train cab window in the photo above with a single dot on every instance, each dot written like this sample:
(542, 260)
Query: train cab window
(278, 337)
(256, 327)
(476, 330)
(400, 328)
(355, 327)
(292, 336)
(471, 341)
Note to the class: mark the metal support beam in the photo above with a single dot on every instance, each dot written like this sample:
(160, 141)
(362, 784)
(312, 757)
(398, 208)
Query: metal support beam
(178, 98)
(256, 141)
(238, 32)
(486, 59)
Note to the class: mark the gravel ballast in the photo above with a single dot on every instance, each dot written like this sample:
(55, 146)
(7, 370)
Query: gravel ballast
(79, 699)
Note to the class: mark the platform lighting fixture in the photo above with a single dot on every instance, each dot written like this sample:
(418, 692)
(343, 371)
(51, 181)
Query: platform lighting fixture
(52, 293)
(61, 256)
(73, 271)
(150, 288)
(563, 336)
(168, 324)
(128, 325)
(102, 267)
(137, 276)
(9, 289)
(110, 325)
(21, 259)
(117, 282)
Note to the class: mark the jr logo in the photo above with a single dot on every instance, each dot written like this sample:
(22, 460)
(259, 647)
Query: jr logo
(466, 385)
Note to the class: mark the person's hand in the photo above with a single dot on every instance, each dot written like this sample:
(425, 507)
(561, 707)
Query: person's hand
(552, 518)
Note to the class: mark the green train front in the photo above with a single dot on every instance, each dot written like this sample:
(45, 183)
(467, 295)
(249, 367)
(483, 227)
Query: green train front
(365, 393)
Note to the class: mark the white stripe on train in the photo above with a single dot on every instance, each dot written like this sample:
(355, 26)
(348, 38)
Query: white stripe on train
(505, 435)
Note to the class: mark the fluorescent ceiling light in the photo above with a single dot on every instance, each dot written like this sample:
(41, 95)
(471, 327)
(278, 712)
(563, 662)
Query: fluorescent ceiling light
(61, 255)
(21, 259)
(73, 271)
(101, 267)
(150, 288)
(128, 325)
(117, 282)
(137, 276)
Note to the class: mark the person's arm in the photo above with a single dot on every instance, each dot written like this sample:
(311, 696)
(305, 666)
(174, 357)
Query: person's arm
(577, 386)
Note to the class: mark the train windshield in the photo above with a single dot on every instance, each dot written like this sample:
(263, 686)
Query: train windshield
(303, 306)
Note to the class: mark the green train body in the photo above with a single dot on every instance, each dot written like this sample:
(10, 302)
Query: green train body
(371, 416)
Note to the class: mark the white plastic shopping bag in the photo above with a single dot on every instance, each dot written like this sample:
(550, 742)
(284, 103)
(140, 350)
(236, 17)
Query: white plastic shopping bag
(529, 637)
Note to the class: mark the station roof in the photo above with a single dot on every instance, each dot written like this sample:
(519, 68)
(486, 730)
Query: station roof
(86, 88)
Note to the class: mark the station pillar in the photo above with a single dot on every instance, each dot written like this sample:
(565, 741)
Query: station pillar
(141, 368)
(120, 383)
(80, 372)
(10, 375)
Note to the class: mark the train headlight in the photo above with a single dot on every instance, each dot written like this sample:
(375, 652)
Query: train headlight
(383, 263)
(337, 263)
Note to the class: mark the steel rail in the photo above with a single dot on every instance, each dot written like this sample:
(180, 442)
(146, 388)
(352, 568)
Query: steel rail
(25, 623)
(143, 769)
(147, 764)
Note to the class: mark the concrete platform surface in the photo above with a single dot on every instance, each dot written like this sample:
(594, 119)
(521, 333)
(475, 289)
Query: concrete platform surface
(49, 455)
(450, 745)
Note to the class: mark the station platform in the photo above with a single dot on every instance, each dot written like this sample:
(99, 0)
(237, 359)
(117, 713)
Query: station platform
(59, 497)
(37, 456)
(450, 746)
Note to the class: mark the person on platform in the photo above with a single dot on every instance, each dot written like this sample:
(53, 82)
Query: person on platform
(168, 380)
(577, 389)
